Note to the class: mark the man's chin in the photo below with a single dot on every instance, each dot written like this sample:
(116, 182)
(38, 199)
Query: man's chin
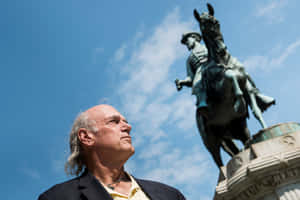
(133, 151)
(130, 150)
(128, 153)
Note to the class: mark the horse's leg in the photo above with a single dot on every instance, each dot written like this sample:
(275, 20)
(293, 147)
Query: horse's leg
(214, 145)
(253, 104)
(215, 152)
(243, 132)
(230, 147)
(239, 105)
(211, 142)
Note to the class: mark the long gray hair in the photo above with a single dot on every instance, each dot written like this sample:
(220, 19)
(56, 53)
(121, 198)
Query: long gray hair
(75, 163)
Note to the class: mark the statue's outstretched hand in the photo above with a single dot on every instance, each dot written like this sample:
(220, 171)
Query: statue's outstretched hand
(178, 84)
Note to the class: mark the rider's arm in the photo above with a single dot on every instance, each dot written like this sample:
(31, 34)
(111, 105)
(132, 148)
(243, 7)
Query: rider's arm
(188, 81)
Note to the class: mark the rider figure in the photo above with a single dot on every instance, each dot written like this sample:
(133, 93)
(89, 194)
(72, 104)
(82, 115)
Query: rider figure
(196, 63)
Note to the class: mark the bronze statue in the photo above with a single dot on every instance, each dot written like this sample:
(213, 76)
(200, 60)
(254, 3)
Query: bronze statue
(223, 89)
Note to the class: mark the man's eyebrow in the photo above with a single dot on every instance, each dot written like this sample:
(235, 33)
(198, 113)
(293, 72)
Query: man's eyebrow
(116, 117)
(112, 117)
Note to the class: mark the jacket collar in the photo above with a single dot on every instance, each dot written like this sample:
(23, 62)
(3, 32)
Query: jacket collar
(91, 188)
(149, 190)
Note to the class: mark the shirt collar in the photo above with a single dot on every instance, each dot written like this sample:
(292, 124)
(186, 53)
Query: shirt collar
(134, 188)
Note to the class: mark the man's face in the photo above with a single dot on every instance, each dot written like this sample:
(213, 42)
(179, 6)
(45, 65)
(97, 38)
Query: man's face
(190, 42)
(113, 136)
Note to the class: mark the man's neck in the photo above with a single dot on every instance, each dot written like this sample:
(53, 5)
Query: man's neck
(114, 178)
(107, 172)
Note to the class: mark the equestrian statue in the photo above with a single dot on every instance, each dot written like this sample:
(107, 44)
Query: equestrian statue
(222, 87)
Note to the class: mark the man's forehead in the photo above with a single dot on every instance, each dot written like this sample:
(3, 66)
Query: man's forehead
(101, 112)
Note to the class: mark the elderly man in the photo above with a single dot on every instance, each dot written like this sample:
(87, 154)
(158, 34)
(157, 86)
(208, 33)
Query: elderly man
(100, 145)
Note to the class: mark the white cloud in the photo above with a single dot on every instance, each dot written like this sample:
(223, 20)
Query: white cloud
(256, 62)
(147, 90)
(156, 150)
(162, 119)
(182, 115)
(150, 62)
(179, 168)
(269, 62)
(137, 37)
(272, 10)
(287, 52)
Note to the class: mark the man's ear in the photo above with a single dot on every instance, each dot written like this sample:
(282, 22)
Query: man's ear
(86, 137)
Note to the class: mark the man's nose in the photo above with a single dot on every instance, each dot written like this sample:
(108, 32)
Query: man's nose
(126, 127)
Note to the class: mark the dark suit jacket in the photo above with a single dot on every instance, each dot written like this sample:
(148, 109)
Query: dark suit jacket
(87, 187)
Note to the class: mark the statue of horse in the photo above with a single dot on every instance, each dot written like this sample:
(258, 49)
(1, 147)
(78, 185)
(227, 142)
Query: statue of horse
(230, 90)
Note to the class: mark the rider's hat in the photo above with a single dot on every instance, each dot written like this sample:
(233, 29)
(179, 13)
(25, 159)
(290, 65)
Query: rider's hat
(193, 34)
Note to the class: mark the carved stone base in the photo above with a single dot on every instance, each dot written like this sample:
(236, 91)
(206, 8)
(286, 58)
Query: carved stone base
(268, 170)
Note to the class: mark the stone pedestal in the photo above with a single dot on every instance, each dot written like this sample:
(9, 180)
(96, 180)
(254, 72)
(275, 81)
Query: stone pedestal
(268, 170)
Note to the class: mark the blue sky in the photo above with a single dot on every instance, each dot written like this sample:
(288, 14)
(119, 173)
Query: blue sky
(61, 57)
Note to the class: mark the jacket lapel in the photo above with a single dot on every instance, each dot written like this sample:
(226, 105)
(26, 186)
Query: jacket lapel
(149, 190)
(91, 188)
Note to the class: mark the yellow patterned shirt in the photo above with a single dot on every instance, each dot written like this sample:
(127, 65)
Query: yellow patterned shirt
(136, 192)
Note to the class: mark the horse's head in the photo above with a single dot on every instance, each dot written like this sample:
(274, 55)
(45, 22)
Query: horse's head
(212, 36)
(208, 23)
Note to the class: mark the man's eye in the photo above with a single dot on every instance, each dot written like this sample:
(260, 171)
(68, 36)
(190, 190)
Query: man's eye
(114, 121)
